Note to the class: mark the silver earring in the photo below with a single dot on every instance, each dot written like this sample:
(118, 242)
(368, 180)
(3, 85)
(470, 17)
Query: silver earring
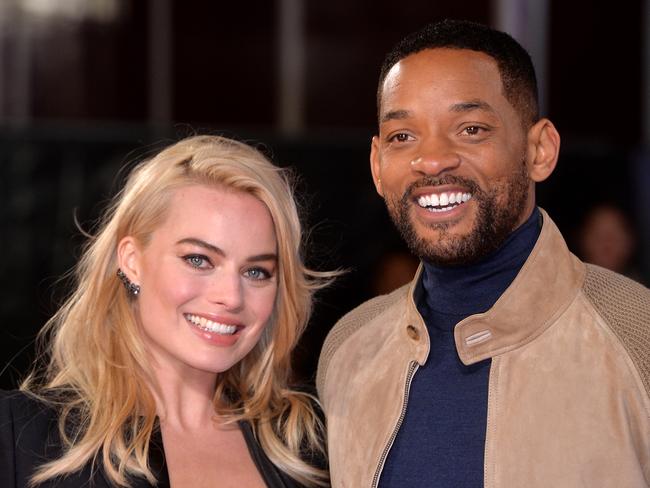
(131, 287)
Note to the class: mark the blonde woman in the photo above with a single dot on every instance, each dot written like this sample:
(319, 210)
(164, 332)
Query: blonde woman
(169, 364)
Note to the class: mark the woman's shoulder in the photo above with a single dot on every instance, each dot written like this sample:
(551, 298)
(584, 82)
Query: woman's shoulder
(25, 421)
(19, 406)
(28, 430)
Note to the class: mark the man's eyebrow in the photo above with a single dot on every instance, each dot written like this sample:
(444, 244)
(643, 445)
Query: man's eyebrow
(217, 250)
(471, 105)
(456, 107)
(396, 115)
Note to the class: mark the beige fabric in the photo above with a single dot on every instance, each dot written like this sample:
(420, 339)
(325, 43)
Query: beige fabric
(625, 306)
(568, 398)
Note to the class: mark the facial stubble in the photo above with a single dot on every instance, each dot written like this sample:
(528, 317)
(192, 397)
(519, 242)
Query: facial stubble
(494, 221)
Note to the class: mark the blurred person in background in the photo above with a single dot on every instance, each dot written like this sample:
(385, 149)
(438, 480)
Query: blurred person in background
(607, 238)
(506, 361)
(394, 269)
(169, 364)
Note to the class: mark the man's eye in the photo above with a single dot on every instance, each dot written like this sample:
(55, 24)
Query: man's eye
(197, 261)
(400, 137)
(472, 130)
(257, 274)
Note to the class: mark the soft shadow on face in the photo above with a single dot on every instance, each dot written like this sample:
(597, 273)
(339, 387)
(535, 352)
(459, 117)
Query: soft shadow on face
(208, 279)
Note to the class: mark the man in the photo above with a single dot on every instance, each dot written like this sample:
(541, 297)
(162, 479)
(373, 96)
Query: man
(507, 362)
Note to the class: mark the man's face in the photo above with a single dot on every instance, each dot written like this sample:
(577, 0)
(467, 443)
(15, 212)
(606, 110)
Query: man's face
(450, 157)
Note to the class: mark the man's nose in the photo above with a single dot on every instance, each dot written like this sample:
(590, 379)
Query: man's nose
(226, 289)
(436, 156)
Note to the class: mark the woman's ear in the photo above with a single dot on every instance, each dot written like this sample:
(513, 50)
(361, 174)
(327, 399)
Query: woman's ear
(542, 150)
(128, 258)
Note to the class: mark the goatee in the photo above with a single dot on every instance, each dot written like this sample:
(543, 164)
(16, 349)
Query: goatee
(494, 222)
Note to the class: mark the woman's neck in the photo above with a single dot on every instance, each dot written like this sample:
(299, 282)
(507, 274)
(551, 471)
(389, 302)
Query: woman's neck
(184, 396)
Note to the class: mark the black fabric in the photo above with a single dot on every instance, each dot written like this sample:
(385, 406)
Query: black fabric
(272, 476)
(29, 437)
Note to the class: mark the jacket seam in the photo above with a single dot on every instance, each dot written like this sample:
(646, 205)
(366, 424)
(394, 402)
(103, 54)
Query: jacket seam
(618, 335)
(618, 342)
(348, 326)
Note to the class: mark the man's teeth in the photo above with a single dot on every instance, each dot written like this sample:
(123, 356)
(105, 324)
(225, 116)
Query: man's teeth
(439, 202)
(210, 326)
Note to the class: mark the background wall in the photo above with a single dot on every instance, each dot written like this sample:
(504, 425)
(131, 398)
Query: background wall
(89, 86)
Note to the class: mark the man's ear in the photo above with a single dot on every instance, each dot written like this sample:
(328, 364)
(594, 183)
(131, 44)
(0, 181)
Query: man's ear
(375, 165)
(128, 258)
(543, 150)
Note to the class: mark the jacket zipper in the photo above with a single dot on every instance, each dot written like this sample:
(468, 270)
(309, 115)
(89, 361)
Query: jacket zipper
(413, 366)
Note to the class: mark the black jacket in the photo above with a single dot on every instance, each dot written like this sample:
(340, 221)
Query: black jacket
(29, 437)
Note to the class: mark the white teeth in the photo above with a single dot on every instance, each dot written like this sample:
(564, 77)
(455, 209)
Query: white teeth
(443, 200)
(210, 326)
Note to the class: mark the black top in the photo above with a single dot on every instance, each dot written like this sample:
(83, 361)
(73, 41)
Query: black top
(29, 437)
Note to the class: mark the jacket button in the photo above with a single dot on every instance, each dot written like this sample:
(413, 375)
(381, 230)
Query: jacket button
(413, 332)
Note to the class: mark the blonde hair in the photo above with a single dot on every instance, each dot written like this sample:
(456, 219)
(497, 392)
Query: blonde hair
(97, 373)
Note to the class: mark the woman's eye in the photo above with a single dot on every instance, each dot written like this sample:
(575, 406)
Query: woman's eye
(257, 274)
(197, 261)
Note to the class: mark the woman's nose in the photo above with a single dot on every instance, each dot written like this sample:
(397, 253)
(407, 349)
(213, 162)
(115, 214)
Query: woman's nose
(226, 289)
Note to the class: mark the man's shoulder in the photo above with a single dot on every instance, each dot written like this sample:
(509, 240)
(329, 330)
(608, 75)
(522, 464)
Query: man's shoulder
(353, 321)
(624, 304)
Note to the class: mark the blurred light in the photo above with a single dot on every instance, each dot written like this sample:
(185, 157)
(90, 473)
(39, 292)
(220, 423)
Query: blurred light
(93, 10)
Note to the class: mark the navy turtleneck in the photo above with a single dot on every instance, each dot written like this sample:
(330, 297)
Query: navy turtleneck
(442, 439)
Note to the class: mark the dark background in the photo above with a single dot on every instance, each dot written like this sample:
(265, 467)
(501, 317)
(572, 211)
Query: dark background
(88, 86)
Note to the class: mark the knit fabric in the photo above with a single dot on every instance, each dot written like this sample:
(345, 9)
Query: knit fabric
(625, 306)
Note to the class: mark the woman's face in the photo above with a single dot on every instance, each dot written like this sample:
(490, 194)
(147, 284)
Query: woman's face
(208, 279)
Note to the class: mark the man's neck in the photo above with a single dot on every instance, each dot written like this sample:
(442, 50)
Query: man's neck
(466, 290)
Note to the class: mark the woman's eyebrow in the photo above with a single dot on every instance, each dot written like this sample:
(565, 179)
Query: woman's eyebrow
(211, 247)
(263, 257)
(203, 244)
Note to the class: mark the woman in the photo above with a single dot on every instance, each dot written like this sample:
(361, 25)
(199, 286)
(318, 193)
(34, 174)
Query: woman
(170, 362)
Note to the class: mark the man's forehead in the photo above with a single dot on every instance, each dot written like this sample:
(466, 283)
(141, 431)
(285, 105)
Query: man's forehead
(439, 62)
(469, 76)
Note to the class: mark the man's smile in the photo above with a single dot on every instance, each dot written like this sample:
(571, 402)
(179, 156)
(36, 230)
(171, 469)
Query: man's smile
(443, 201)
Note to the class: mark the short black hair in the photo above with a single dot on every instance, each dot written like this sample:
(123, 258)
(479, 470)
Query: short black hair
(514, 63)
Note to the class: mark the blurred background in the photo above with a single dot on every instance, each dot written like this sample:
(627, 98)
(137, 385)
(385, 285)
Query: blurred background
(88, 87)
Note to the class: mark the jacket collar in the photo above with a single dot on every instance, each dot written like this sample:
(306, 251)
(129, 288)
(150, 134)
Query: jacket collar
(545, 286)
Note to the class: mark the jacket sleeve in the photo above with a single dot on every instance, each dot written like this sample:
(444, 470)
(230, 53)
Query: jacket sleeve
(7, 443)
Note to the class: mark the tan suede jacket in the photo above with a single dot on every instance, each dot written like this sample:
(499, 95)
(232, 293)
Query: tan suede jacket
(568, 402)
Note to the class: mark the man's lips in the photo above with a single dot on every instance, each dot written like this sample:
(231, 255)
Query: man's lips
(443, 200)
